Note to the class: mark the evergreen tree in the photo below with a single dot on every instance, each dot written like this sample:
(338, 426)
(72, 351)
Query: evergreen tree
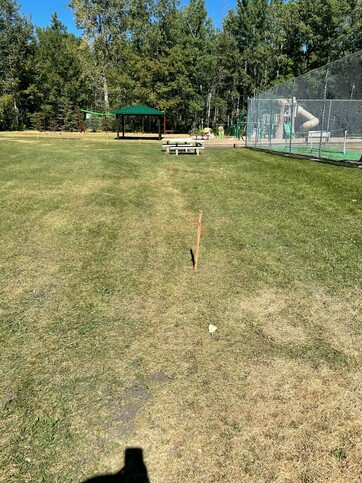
(63, 84)
(249, 27)
(16, 73)
(323, 26)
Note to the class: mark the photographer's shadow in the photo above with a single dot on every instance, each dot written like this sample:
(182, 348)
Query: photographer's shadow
(134, 470)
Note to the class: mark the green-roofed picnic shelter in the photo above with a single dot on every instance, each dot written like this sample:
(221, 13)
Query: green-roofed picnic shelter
(137, 110)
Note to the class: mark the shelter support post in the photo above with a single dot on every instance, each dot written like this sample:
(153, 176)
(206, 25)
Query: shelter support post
(117, 118)
(122, 125)
(159, 128)
(164, 124)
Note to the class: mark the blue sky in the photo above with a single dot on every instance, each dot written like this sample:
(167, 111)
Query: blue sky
(41, 10)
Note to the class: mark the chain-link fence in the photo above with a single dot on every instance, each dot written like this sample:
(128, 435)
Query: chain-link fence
(318, 114)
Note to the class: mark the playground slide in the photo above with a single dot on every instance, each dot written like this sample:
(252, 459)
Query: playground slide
(311, 121)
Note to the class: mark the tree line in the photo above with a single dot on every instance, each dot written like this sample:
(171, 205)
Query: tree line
(165, 54)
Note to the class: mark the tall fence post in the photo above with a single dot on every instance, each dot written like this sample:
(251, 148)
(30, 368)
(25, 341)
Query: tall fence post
(248, 122)
(323, 110)
(257, 122)
(292, 121)
(271, 120)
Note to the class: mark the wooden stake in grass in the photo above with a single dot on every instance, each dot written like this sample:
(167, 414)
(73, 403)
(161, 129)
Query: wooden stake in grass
(199, 228)
(172, 164)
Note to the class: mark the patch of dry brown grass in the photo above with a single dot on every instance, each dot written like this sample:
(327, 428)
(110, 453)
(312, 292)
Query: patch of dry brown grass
(287, 318)
(229, 414)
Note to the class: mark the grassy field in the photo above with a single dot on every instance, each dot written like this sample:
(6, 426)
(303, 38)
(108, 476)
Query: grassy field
(104, 325)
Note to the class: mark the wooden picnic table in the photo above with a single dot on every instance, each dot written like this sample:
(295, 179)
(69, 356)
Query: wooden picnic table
(182, 145)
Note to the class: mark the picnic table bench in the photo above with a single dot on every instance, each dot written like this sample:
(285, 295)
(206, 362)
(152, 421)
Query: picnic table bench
(182, 145)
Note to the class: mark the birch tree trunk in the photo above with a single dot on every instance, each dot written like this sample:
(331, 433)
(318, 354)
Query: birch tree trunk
(209, 97)
(16, 109)
(105, 90)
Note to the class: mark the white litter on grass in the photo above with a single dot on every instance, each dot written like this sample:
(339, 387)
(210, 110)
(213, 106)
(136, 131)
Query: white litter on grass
(212, 328)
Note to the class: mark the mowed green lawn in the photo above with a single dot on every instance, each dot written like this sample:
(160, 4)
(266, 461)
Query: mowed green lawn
(104, 325)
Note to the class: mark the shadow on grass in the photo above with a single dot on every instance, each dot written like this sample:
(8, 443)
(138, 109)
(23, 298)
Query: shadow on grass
(134, 470)
(192, 257)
